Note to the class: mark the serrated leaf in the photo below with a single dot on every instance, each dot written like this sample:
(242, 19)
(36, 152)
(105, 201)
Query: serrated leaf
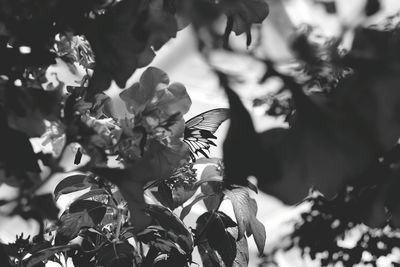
(71, 184)
(44, 254)
(245, 209)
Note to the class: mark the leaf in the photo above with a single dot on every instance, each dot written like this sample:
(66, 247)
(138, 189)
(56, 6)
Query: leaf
(116, 254)
(44, 254)
(241, 136)
(78, 156)
(210, 172)
(180, 194)
(245, 13)
(4, 258)
(22, 167)
(70, 225)
(372, 7)
(96, 210)
(118, 50)
(245, 210)
(242, 249)
(71, 184)
(212, 185)
(217, 245)
(209, 256)
(171, 259)
(93, 193)
(46, 206)
(186, 210)
(215, 161)
(170, 222)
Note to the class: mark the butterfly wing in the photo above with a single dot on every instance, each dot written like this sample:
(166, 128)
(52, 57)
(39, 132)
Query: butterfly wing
(199, 131)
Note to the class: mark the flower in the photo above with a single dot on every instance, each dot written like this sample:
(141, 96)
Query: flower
(158, 108)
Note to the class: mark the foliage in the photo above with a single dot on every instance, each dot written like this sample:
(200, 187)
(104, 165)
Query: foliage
(340, 106)
(108, 223)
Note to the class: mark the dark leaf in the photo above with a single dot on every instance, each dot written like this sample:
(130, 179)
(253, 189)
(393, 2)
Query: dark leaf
(96, 210)
(78, 157)
(46, 206)
(118, 254)
(71, 224)
(4, 256)
(170, 222)
(241, 137)
(164, 195)
(222, 244)
(172, 259)
(245, 13)
(372, 7)
(118, 49)
(242, 249)
(186, 210)
(72, 184)
(209, 256)
(131, 191)
(42, 255)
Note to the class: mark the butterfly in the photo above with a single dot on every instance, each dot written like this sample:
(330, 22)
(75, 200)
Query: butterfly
(200, 129)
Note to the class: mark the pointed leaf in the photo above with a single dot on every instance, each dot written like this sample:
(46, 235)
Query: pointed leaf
(242, 249)
(245, 209)
(186, 210)
(70, 225)
(71, 184)
(44, 254)
(222, 244)
(96, 210)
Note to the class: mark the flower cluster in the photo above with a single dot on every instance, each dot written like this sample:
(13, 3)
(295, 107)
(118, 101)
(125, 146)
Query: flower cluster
(184, 176)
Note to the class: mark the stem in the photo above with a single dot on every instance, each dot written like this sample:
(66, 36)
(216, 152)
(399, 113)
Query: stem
(119, 224)
(202, 231)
